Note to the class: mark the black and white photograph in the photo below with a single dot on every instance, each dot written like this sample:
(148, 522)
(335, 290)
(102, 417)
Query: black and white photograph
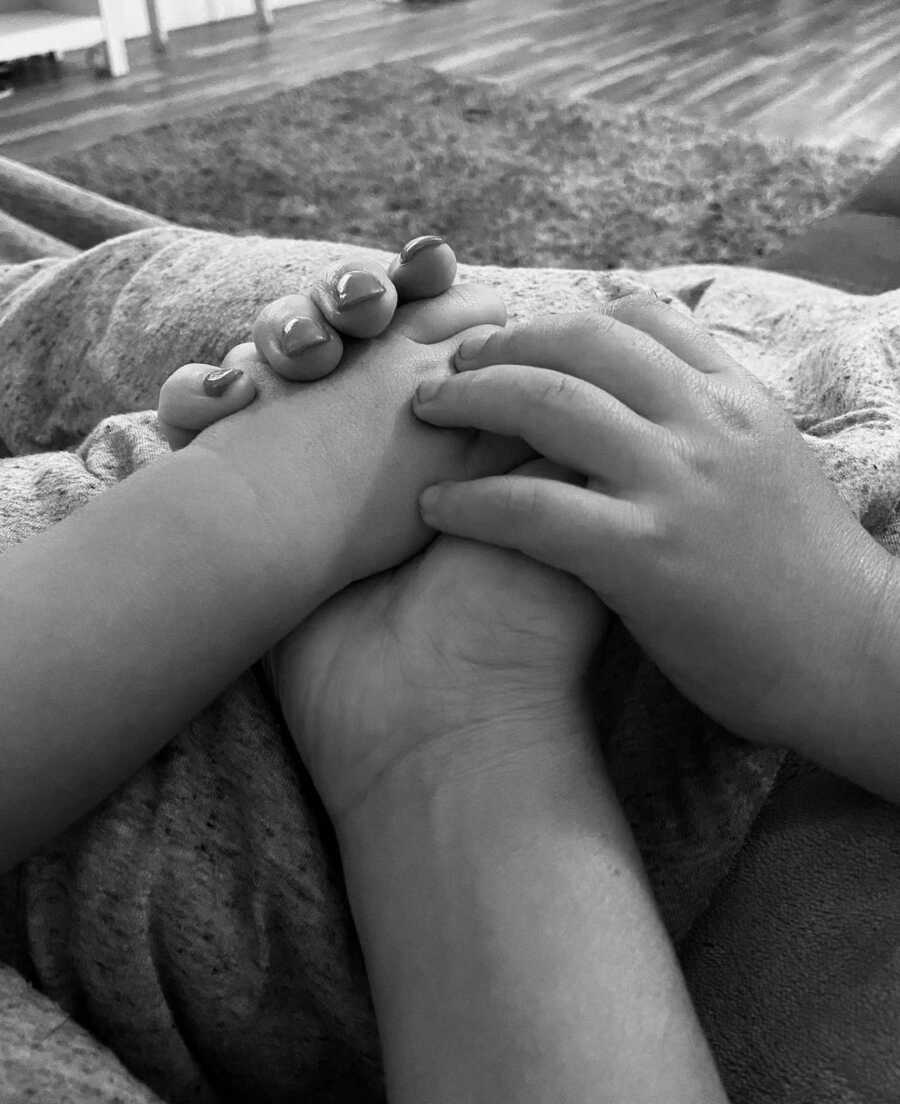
(449, 535)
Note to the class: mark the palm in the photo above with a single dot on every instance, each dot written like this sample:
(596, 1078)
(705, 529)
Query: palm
(436, 646)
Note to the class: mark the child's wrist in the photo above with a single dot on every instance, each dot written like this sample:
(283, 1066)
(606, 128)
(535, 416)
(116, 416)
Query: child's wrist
(297, 563)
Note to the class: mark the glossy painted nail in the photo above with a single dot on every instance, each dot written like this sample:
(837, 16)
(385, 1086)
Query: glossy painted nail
(217, 383)
(354, 288)
(300, 334)
(419, 245)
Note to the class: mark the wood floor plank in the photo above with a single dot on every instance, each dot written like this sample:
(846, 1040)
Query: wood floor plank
(812, 70)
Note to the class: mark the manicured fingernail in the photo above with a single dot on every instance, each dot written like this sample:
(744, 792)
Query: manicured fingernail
(428, 498)
(470, 348)
(300, 334)
(419, 245)
(427, 390)
(354, 288)
(217, 383)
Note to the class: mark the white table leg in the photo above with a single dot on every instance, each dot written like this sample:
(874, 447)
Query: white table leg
(158, 31)
(264, 15)
(116, 54)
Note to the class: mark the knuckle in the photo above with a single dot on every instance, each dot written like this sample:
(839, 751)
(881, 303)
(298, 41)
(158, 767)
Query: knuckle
(523, 504)
(547, 400)
(590, 325)
(467, 388)
(697, 455)
(639, 301)
(636, 308)
(520, 498)
(646, 527)
(650, 534)
(735, 408)
(559, 387)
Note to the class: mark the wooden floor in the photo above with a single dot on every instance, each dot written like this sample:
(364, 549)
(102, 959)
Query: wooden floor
(819, 71)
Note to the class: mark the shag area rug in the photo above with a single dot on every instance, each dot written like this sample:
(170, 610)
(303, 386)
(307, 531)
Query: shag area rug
(380, 155)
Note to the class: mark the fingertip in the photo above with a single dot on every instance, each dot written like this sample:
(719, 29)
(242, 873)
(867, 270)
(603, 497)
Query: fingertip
(358, 298)
(429, 498)
(196, 396)
(295, 340)
(476, 349)
(426, 401)
(302, 358)
(424, 268)
(432, 505)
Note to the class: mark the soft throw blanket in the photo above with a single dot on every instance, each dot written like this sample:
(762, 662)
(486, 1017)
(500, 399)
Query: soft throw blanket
(196, 923)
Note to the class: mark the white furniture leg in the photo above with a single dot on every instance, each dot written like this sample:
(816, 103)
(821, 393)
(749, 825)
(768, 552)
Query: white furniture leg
(264, 15)
(116, 54)
(158, 31)
(60, 26)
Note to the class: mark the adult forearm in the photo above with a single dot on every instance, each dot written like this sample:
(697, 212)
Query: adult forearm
(122, 622)
(511, 938)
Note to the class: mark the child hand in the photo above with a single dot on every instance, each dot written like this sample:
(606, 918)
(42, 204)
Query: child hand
(300, 336)
(705, 521)
(429, 661)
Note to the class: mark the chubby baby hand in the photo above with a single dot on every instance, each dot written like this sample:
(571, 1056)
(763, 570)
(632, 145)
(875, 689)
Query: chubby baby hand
(704, 519)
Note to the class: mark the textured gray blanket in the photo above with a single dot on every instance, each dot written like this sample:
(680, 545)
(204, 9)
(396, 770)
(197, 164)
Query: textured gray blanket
(195, 923)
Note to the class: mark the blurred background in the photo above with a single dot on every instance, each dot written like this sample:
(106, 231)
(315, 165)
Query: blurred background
(573, 132)
(822, 71)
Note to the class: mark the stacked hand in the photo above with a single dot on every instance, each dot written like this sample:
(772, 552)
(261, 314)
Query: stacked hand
(510, 937)
(705, 520)
(674, 488)
(454, 639)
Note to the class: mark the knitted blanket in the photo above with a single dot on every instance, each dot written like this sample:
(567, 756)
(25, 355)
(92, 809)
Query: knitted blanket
(195, 923)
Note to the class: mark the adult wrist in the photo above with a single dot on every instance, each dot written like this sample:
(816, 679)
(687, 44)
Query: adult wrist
(529, 745)
(510, 935)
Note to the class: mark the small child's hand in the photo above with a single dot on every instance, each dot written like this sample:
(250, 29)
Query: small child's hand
(704, 520)
(300, 336)
(433, 660)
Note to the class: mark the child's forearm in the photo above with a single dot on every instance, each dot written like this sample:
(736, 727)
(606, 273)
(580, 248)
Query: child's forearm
(511, 938)
(123, 621)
